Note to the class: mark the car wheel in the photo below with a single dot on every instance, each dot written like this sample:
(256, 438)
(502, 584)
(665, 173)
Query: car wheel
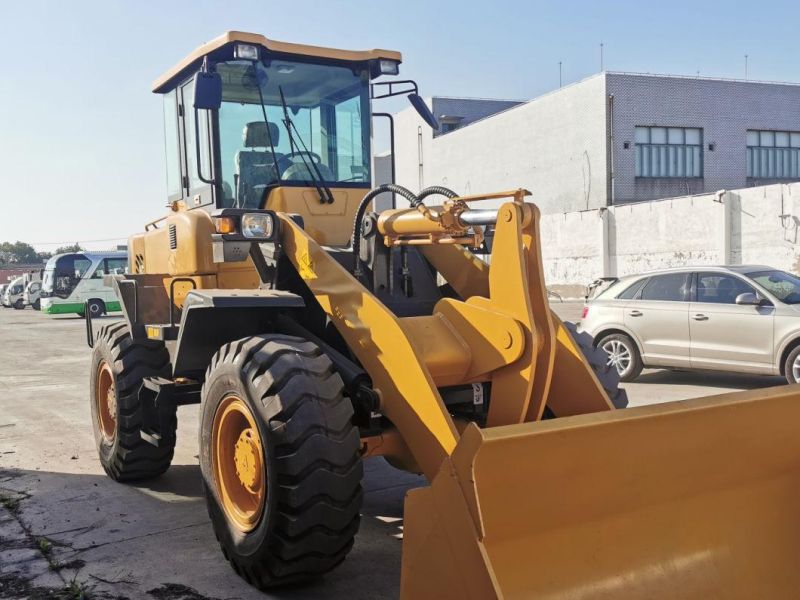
(623, 355)
(791, 368)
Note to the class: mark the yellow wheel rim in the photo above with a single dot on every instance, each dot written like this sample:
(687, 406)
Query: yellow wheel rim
(238, 462)
(106, 398)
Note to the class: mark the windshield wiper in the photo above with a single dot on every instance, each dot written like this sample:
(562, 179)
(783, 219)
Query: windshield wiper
(269, 134)
(325, 194)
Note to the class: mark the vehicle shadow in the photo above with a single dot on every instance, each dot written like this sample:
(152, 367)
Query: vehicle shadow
(734, 381)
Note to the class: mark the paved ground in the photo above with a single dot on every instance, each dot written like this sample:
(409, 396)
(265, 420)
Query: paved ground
(63, 523)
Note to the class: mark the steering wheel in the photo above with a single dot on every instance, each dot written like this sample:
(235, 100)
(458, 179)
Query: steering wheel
(313, 155)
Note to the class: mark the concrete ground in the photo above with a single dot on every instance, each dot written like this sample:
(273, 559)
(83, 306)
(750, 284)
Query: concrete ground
(65, 527)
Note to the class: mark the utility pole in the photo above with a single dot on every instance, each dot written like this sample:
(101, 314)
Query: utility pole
(745, 67)
(601, 56)
(559, 73)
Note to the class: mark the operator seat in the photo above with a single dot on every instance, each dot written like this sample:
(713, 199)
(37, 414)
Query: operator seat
(256, 169)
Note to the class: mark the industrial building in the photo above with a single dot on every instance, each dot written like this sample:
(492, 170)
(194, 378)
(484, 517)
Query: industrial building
(609, 139)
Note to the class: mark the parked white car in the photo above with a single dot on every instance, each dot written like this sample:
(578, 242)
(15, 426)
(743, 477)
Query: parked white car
(31, 295)
(12, 296)
(743, 319)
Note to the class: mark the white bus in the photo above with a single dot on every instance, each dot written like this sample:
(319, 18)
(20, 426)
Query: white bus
(71, 280)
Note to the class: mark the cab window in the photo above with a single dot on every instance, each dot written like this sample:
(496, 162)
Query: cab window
(191, 133)
(172, 146)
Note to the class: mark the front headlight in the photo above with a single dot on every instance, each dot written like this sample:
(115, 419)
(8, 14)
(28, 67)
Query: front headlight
(257, 226)
(388, 67)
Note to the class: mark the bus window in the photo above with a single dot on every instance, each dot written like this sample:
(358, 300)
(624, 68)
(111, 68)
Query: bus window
(116, 266)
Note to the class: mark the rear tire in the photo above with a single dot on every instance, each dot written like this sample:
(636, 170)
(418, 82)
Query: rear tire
(607, 375)
(37, 305)
(19, 305)
(621, 352)
(303, 520)
(119, 364)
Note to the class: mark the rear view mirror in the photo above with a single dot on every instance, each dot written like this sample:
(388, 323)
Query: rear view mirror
(422, 109)
(749, 299)
(207, 91)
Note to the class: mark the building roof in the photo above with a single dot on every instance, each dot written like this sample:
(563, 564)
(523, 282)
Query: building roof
(699, 78)
(193, 60)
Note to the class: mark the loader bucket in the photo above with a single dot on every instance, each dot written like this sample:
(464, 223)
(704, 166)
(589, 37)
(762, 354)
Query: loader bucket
(692, 499)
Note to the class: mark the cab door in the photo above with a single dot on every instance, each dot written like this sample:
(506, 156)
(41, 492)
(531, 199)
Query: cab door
(726, 335)
(659, 318)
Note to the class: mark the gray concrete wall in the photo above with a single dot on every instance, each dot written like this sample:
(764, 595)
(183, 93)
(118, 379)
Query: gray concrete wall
(553, 145)
(757, 225)
(725, 110)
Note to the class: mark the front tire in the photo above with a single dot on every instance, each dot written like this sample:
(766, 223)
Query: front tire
(791, 368)
(96, 308)
(623, 355)
(280, 459)
(119, 364)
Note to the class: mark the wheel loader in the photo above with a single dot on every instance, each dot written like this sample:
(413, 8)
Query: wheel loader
(316, 332)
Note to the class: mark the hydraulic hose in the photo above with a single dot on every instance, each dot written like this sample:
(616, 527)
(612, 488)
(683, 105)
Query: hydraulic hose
(435, 190)
(362, 209)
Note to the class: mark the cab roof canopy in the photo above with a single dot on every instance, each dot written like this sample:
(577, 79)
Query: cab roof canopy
(221, 48)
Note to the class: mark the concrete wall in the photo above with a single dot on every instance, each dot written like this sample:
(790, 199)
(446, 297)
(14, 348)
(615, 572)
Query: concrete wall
(724, 110)
(745, 226)
(554, 145)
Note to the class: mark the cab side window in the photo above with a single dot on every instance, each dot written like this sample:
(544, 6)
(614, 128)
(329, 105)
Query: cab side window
(172, 146)
(192, 133)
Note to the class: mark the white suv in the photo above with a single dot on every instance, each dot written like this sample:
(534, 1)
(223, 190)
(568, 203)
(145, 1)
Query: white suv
(744, 319)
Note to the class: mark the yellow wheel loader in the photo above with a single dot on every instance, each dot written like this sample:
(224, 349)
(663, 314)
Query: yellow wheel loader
(316, 332)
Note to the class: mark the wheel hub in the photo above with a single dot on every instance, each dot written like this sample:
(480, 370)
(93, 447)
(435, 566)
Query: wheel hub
(106, 398)
(618, 355)
(247, 457)
(239, 464)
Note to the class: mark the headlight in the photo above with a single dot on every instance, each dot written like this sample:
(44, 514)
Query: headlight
(256, 225)
(245, 51)
(388, 67)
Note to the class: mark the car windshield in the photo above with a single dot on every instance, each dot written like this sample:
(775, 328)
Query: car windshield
(784, 286)
(291, 122)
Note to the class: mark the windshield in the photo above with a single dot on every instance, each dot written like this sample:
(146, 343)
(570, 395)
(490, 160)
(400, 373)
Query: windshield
(312, 127)
(62, 274)
(784, 286)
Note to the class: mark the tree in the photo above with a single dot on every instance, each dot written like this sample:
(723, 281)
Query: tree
(18, 252)
(76, 247)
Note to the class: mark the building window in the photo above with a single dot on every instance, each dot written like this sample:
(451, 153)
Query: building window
(773, 154)
(669, 152)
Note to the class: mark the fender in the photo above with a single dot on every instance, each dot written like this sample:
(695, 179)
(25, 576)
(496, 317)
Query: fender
(212, 318)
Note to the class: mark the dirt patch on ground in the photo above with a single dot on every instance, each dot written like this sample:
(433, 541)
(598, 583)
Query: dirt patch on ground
(176, 591)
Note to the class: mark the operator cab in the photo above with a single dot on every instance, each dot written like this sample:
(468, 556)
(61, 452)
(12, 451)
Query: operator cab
(254, 123)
